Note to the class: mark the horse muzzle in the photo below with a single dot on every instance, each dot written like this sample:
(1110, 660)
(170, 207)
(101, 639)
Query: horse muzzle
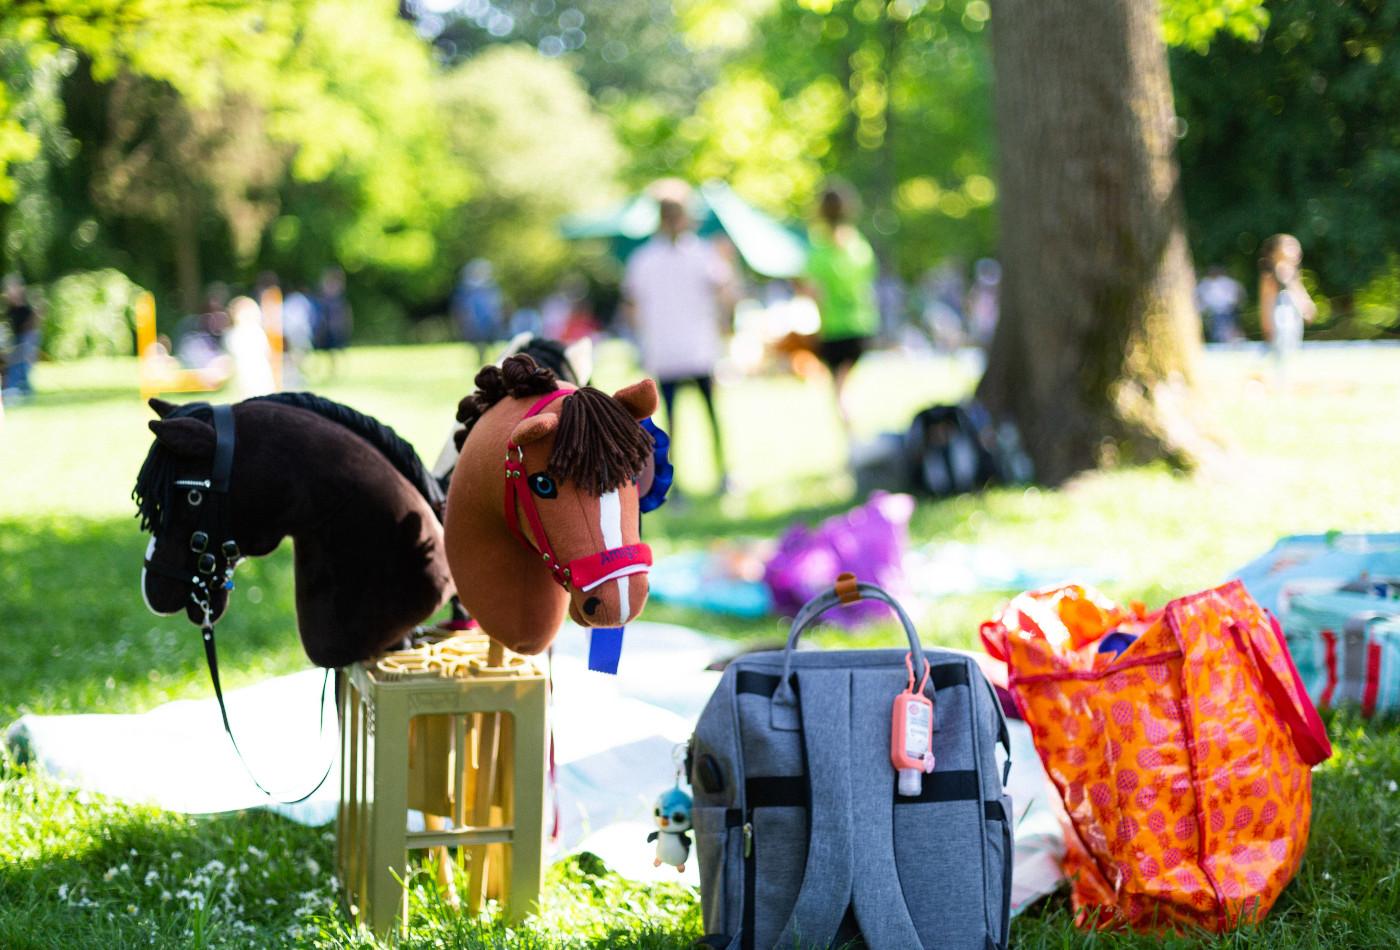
(609, 588)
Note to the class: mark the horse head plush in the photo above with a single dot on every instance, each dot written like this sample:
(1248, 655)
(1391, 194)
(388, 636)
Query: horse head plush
(542, 511)
(221, 483)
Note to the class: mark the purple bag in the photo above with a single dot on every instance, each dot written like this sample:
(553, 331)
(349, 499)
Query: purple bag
(869, 541)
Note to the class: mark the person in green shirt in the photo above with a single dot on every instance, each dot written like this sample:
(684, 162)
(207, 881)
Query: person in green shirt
(840, 276)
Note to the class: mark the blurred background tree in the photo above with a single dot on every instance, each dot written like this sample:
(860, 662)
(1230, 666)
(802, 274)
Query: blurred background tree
(522, 125)
(184, 141)
(1295, 131)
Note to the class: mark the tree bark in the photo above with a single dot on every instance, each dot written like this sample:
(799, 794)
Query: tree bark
(184, 228)
(1098, 334)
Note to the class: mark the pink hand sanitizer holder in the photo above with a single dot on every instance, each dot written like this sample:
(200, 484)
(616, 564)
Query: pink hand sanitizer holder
(911, 734)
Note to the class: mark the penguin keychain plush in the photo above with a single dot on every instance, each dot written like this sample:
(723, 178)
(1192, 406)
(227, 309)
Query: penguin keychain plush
(672, 814)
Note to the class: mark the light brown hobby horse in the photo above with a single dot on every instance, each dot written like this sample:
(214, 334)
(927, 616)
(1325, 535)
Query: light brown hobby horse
(542, 515)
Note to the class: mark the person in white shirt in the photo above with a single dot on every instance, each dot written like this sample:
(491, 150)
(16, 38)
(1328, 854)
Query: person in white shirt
(678, 289)
(246, 342)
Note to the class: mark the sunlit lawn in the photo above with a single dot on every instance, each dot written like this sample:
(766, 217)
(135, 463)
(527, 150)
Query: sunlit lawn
(77, 871)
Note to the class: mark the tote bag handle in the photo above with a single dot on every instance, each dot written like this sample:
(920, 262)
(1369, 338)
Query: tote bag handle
(1309, 732)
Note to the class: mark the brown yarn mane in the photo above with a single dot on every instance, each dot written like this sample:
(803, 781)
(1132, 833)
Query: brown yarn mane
(598, 445)
(518, 377)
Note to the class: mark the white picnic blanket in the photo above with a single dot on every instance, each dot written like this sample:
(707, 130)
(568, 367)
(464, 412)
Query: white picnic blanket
(614, 737)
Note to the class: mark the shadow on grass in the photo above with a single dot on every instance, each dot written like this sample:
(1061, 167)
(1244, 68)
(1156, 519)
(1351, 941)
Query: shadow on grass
(78, 637)
(43, 399)
(704, 520)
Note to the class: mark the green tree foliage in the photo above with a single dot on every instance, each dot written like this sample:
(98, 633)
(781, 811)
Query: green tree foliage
(890, 96)
(1297, 132)
(645, 62)
(372, 182)
(209, 139)
(33, 141)
(1195, 23)
(89, 314)
(523, 127)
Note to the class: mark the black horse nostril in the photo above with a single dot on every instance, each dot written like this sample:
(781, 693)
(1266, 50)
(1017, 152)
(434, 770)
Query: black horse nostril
(591, 605)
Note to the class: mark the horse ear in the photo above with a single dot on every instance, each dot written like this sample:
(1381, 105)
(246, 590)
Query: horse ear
(185, 437)
(160, 407)
(639, 399)
(534, 428)
(580, 356)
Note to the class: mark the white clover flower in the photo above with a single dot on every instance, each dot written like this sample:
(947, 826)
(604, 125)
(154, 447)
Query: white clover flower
(165, 895)
(109, 874)
(313, 867)
(63, 892)
(152, 876)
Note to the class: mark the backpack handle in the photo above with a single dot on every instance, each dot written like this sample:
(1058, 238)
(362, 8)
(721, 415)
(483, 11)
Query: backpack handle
(847, 590)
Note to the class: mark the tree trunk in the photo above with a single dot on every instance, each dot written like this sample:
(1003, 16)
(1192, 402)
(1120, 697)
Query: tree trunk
(185, 231)
(1098, 333)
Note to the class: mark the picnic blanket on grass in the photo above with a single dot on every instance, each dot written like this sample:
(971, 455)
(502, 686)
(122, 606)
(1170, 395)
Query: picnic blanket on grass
(614, 737)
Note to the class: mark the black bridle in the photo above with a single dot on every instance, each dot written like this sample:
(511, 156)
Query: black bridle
(216, 564)
(211, 497)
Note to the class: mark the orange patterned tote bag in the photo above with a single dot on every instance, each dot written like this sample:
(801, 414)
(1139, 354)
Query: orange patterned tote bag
(1181, 743)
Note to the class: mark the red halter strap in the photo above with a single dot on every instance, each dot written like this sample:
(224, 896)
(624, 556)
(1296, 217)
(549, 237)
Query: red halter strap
(586, 572)
(517, 492)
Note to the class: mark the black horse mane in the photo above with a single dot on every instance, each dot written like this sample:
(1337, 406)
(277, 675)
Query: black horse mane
(389, 443)
(154, 481)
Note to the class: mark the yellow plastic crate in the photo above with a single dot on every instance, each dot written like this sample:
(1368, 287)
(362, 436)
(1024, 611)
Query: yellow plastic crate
(454, 729)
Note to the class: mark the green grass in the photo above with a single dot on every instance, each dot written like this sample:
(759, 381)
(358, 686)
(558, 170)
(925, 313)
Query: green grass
(80, 871)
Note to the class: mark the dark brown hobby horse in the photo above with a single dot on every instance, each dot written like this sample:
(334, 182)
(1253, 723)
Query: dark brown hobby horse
(351, 494)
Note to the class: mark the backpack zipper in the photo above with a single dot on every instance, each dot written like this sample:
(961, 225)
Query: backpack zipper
(749, 884)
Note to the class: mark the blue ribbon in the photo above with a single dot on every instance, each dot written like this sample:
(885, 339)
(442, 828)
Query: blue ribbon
(665, 471)
(604, 649)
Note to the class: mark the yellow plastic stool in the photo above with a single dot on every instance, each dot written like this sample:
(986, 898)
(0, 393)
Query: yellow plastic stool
(455, 729)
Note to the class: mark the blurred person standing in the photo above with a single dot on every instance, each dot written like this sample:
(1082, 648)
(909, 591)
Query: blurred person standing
(984, 301)
(298, 317)
(677, 291)
(1284, 304)
(1219, 298)
(840, 276)
(246, 342)
(334, 319)
(476, 307)
(23, 320)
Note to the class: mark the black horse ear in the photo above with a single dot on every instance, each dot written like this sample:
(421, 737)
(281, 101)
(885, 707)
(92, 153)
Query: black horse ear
(160, 407)
(186, 437)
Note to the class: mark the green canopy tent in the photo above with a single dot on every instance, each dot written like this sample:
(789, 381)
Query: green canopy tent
(767, 247)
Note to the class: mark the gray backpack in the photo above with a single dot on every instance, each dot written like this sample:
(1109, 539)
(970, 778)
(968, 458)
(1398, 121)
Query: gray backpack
(802, 838)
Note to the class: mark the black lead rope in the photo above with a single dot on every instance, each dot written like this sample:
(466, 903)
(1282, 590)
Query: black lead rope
(212, 656)
(217, 486)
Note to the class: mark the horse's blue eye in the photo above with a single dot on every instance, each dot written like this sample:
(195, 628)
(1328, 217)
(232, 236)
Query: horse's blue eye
(542, 485)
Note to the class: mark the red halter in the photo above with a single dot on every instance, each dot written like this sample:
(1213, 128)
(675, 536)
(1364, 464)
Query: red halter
(584, 572)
